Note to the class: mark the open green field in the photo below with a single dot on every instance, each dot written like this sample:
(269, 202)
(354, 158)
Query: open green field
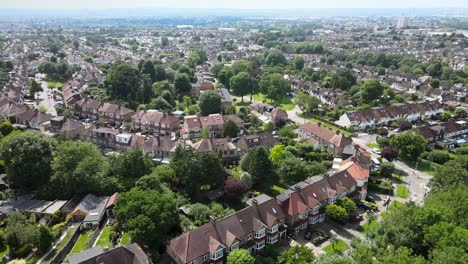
(104, 238)
(332, 127)
(57, 85)
(284, 102)
(402, 191)
(336, 247)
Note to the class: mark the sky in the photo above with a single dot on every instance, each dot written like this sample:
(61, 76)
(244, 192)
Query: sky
(231, 4)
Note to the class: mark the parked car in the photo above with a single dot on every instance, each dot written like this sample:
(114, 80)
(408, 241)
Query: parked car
(364, 206)
(370, 199)
(376, 151)
(308, 235)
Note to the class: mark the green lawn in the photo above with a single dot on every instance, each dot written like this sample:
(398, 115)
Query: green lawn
(373, 145)
(336, 247)
(81, 242)
(398, 178)
(367, 226)
(60, 246)
(402, 191)
(332, 127)
(284, 102)
(125, 240)
(104, 239)
(276, 190)
(54, 85)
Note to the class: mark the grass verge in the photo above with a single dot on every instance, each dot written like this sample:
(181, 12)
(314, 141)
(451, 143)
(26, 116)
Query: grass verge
(336, 247)
(402, 191)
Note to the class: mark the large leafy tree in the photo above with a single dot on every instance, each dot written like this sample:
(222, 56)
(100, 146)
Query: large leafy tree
(371, 90)
(258, 164)
(230, 129)
(243, 84)
(20, 230)
(210, 103)
(297, 255)
(274, 86)
(240, 256)
(147, 215)
(336, 212)
(28, 158)
(122, 82)
(348, 205)
(292, 170)
(148, 68)
(409, 144)
(79, 168)
(130, 166)
(453, 173)
(182, 84)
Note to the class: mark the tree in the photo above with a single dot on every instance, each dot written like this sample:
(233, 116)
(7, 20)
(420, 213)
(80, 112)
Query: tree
(76, 44)
(147, 215)
(297, 255)
(435, 83)
(182, 84)
(122, 82)
(451, 174)
(234, 188)
(371, 90)
(230, 129)
(210, 103)
(292, 170)
(160, 73)
(258, 164)
(200, 214)
(386, 169)
(287, 132)
(164, 41)
(299, 63)
(274, 58)
(20, 230)
(79, 168)
(274, 86)
(242, 84)
(240, 256)
(35, 87)
(307, 102)
(6, 128)
(130, 166)
(336, 212)
(409, 144)
(45, 240)
(148, 68)
(269, 127)
(277, 153)
(28, 158)
(348, 205)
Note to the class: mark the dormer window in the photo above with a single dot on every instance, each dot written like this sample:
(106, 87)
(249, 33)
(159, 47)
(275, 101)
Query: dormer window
(217, 254)
(235, 246)
(260, 233)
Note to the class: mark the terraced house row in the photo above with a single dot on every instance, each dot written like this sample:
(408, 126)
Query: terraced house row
(266, 220)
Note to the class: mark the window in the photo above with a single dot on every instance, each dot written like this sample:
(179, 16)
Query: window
(217, 255)
(250, 236)
(272, 239)
(304, 226)
(235, 246)
(205, 257)
(352, 189)
(333, 200)
(260, 244)
(273, 229)
(260, 233)
(316, 209)
(305, 215)
(193, 261)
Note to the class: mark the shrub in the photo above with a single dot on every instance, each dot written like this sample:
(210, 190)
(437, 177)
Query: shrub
(438, 156)
(58, 227)
(23, 251)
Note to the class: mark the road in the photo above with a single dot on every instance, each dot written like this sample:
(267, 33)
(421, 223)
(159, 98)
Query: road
(46, 98)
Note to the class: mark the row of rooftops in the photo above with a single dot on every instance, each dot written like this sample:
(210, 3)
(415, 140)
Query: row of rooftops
(326, 134)
(265, 212)
(394, 111)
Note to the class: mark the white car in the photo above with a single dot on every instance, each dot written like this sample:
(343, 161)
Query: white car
(376, 151)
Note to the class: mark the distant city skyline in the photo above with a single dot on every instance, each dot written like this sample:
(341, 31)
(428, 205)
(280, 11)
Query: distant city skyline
(238, 4)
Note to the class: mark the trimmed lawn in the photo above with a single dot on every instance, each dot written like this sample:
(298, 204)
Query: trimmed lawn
(57, 85)
(284, 102)
(402, 191)
(332, 127)
(398, 178)
(104, 239)
(60, 246)
(373, 145)
(125, 240)
(336, 247)
(81, 242)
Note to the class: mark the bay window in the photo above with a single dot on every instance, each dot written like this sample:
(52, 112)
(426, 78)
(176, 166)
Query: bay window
(217, 255)
(260, 244)
(273, 229)
(260, 233)
(272, 239)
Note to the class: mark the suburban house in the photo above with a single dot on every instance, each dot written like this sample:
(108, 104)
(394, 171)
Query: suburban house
(90, 211)
(265, 220)
(224, 147)
(265, 139)
(87, 108)
(192, 127)
(33, 118)
(324, 137)
(362, 119)
(226, 99)
(69, 128)
(279, 116)
(114, 113)
(446, 135)
(111, 204)
(71, 93)
(237, 120)
(9, 110)
(128, 254)
(156, 122)
(158, 147)
(214, 123)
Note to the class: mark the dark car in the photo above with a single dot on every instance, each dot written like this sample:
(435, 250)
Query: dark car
(308, 235)
(370, 199)
(364, 206)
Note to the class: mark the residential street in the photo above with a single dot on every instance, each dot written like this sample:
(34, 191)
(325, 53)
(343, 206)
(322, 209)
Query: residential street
(46, 98)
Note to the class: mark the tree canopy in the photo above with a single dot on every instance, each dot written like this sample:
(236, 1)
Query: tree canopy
(210, 103)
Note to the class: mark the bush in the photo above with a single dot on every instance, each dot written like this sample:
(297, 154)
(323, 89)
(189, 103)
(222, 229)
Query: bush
(58, 227)
(23, 251)
(438, 156)
(386, 169)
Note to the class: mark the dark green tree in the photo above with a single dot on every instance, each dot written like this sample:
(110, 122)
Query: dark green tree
(297, 255)
(210, 103)
(409, 144)
(122, 82)
(240, 256)
(28, 158)
(243, 84)
(182, 84)
(230, 129)
(336, 212)
(45, 239)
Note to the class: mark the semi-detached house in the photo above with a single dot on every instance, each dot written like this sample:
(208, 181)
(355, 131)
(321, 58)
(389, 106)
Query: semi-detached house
(267, 220)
